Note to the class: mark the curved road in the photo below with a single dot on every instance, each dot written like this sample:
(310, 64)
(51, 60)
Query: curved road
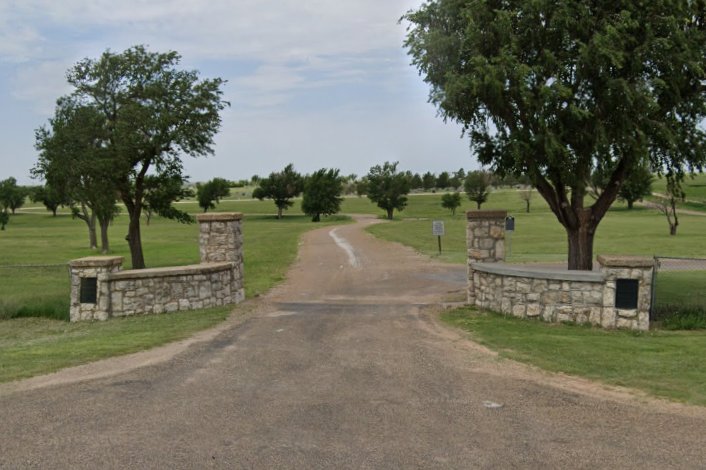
(343, 366)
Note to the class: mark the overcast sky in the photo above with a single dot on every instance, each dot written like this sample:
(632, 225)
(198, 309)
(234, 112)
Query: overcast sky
(318, 83)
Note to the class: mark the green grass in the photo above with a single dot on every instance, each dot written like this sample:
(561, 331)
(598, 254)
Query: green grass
(40, 239)
(663, 363)
(538, 236)
(32, 346)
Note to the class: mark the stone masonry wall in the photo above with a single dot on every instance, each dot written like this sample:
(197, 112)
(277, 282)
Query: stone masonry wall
(565, 296)
(148, 291)
(550, 294)
(218, 280)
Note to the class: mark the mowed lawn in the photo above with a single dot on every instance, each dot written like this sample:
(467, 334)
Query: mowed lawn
(34, 283)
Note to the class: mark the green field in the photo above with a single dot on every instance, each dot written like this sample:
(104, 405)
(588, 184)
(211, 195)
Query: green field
(667, 364)
(538, 236)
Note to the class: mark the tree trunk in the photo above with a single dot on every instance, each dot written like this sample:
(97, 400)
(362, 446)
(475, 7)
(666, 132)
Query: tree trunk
(134, 240)
(105, 243)
(478, 205)
(630, 203)
(90, 220)
(316, 218)
(527, 206)
(389, 213)
(581, 247)
(279, 212)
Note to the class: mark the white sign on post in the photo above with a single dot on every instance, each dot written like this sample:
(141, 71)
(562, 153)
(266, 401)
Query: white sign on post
(437, 228)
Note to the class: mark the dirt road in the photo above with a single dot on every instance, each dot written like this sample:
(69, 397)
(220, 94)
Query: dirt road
(343, 366)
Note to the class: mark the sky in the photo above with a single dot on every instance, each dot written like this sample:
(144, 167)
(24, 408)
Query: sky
(316, 83)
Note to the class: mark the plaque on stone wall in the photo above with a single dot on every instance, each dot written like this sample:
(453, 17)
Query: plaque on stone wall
(626, 292)
(89, 290)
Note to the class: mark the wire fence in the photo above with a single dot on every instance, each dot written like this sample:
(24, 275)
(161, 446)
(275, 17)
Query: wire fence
(679, 287)
(35, 290)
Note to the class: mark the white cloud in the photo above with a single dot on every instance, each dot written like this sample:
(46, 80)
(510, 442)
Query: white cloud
(41, 84)
(317, 82)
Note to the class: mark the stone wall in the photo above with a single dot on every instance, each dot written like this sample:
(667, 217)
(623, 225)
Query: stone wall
(100, 289)
(554, 295)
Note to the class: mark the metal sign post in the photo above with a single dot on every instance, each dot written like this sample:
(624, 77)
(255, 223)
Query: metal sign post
(437, 228)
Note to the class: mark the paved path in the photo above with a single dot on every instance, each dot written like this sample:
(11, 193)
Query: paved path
(343, 366)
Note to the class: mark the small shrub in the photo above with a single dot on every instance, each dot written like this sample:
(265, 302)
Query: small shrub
(682, 317)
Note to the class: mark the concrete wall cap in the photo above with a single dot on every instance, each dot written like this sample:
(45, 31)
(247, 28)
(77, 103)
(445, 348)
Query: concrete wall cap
(219, 217)
(192, 269)
(96, 262)
(538, 273)
(617, 261)
(494, 214)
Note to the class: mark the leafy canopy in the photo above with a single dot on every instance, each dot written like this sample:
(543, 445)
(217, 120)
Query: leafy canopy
(551, 88)
(451, 201)
(211, 192)
(153, 114)
(281, 187)
(322, 193)
(477, 186)
(388, 188)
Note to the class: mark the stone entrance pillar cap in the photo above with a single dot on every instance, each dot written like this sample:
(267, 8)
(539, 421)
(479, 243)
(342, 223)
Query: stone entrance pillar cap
(219, 217)
(490, 214)
(618, 261)
(96, 262)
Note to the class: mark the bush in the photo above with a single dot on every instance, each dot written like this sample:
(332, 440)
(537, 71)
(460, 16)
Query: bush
(682, 318)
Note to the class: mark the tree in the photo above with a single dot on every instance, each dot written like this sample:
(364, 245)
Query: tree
(667, 205)
(281, 187)
(526, 195)
(50, 197)
(443, 180)
(322, 194)
(211, 192)
(388, 188)
(416, 182)
(12, 196)
(153, 114)
(477, 186)
(637, 185)
(428, 181)
(75, 160)
(451, 201)
(4, 219)
(553, 88)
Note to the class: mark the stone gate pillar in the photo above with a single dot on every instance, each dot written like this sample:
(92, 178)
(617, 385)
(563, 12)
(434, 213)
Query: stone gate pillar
(90, 287)
(627, 292)
(221, 240)
(485, 241)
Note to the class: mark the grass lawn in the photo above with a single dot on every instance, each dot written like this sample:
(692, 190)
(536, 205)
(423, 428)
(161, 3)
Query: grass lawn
(31, 346)
(538, 236)
(663, 363)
